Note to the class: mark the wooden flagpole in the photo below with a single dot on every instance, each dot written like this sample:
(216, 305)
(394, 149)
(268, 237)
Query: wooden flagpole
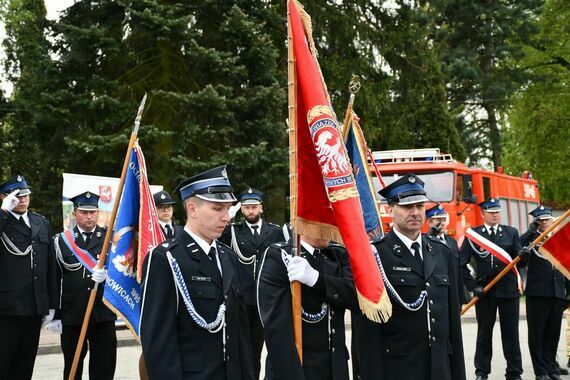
(295, 242)
(107, 240)
(516, 260)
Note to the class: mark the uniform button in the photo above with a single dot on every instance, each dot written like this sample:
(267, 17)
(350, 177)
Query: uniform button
(227, 338)
(433, 320)
(401, 280)
(88, 275)
(332, 312)
(431, 302)
(35, 278)
(433, 339)
(226, 296)
(387, 350)
(33, 241)
(88, 288)
(445, 280)
(333, 331)
(228, 358)
(427, 284)
(333, 350)
(335, 296)
(199, 292)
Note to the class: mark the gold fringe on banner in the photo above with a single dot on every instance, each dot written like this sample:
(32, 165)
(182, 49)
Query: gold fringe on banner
(317, 230)
(377, 312)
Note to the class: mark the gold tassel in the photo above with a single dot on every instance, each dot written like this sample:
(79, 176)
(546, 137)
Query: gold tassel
(376, 312)
(317, 230)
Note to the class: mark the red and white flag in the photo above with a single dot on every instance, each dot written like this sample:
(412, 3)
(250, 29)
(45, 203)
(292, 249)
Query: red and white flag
(556, 248)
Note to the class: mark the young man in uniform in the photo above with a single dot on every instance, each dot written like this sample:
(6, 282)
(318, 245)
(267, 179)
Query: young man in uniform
(422, 339)
(250, 238)
(327, 290)
(193, 317)
(504, 296)
(75, 251)
(165, 209)
(28, 285)
(547, 292)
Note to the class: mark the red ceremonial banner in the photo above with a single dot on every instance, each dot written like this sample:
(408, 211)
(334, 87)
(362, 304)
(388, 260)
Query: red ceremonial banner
(557, 248)
(327, 203)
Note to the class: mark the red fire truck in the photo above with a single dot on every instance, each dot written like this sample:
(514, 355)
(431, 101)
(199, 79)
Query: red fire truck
(459, 188)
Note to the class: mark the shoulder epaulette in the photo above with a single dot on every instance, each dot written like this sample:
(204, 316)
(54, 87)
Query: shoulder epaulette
(40, 215)
(378, 239)
(435, 239)
(224, 245)
(274, 225)
(335, 244)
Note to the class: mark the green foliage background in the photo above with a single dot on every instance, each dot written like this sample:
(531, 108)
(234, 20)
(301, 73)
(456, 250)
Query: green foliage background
(485, 81)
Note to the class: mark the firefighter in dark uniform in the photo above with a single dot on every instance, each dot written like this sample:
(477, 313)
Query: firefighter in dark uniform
(250, 238)
(76, 282)
(546, 293)
(504, 296)
(193, 317)
(438, 220)
(327, 289)
(422, 339)
(28, 285)
(164, 210)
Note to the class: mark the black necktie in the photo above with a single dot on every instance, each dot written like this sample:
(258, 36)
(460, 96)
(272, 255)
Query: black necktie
(417, 255)
(22, 221)
(492, 232)
(87, 237)
(255, 232)
(168, 231)
(212, 255)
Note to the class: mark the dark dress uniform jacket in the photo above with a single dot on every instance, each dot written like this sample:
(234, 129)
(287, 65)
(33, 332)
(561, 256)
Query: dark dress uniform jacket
(76, 285)
(270, 233)
(334, 286)
(174, 346)
(452, 243)
(543, 279)
(402, 348)
(26, 288)
(487, 268)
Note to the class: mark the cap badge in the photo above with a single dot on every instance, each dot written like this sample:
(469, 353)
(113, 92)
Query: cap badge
(225, 174)
(162, 196)
(542, 207)
(88, 195)
(492, 200)
(411, 180)
(19, 178)
(250, 190)
(440, 207)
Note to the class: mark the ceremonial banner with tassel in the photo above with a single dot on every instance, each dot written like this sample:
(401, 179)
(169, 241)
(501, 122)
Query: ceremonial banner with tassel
(137, 230)
(556, 248)
(327, 204)
(357, 153)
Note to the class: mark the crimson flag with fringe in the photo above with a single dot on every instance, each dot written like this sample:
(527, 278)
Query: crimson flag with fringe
(326, 199)
(557, 248)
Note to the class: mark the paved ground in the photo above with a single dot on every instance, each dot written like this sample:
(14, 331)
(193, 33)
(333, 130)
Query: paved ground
(49, 364)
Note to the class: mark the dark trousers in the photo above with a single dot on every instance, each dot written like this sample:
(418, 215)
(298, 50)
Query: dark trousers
(544, 319)
(19, 340)
(486, 311)
(256, 335)
(102, 340)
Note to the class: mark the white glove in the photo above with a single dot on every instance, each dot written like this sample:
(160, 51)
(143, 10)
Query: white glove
(234, 210)
(48, 318)
(99, 275)
(10, 201)
(55, 326)
(300, 270)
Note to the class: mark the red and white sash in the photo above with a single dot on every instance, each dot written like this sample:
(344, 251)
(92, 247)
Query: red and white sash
(494, 250)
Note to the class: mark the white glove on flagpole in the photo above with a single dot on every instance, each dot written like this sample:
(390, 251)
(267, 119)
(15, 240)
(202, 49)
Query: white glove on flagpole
(99, 275)
(300, 270)
(10, 201)
(55, 326)
(48, 318)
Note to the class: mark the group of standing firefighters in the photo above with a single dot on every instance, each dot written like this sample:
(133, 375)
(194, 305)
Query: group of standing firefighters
(215, 291)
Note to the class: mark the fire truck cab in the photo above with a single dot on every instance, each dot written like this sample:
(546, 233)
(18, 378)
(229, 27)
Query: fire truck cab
(458, 188)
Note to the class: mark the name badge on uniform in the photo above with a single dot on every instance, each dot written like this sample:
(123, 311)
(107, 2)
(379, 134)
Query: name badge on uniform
(201, 278)
(402, 269)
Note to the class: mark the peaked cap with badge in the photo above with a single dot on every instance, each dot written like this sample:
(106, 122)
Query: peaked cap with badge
(162, 198)
(490, 205)
(86, 201)
(436, 211)
(251, 196)
(212, 185)
(541, 212)
(17, 182)
(406, 190)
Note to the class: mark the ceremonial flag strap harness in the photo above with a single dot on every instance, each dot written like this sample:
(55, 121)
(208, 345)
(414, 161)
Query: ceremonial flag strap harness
(488, 247)
(83, 256)
(410, 306)
(213, 327)
(242, 259)
(11, 247)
